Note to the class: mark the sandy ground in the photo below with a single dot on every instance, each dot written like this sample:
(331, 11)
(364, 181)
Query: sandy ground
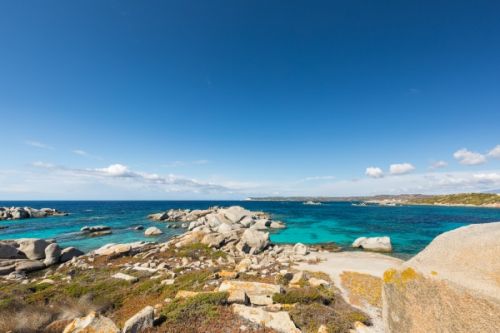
(371, 263)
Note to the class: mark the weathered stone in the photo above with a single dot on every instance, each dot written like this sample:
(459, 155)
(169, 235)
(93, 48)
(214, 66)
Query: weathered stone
(140, 321)
(258, 293)
(92, 323)
(29, 266)
(238, 297)
(113, 249)
(152, 231)
(243, 265)
(451, 286)
(253, 241)
(278, 321)
(94, 228)
(69, 253)
(33, 248)
(213, 240)
(126, 277)
(235, 213)
(52, 254)
(9, 251)
(379, 244)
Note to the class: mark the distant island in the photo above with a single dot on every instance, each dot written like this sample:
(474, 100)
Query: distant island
(459, 199)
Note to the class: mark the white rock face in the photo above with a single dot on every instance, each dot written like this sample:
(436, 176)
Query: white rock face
(92, 323)
(279, 321)
(379, 244)
(141, 321)
(152, 231)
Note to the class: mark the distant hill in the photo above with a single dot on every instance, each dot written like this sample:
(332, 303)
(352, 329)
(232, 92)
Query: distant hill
(460, 199)
(474, 199)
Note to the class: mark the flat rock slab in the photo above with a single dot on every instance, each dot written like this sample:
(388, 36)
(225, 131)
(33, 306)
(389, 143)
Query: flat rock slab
(126, 277)
(279, 321)
(258, 293)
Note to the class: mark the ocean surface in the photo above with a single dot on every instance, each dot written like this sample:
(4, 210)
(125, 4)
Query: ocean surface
(411, 228)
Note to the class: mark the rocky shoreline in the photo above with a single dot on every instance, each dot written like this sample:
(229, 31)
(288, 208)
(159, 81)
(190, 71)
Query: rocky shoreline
(223, 274)
(17, 213)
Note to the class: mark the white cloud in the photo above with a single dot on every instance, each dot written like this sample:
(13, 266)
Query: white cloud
(438, 165)
(38, 144)
(401, 168)
(468, 157)
(374, 172)
(116, 170)
(495, 152)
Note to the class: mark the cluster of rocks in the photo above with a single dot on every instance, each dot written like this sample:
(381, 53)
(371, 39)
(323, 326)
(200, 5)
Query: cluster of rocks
(21, 256)
(96, 230)
(16, 213)
(232, 229)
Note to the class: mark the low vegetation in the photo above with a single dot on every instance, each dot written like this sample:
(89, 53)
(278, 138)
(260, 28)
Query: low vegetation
(476, 199)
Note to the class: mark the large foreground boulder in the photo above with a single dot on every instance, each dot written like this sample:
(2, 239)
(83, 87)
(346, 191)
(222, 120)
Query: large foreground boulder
(33, 248)
(9, 251)
(453, 285)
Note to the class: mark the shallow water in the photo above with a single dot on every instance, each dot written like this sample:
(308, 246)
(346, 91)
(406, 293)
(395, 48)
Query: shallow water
(411, 228)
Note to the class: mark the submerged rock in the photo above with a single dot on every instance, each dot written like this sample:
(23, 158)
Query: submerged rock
(451, 286)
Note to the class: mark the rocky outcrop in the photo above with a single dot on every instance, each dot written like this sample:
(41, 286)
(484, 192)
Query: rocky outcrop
(92, 323)
(32, 254)
(378, 244)
(451, 286)
(140, 321)
(17, 213)
(233, 229)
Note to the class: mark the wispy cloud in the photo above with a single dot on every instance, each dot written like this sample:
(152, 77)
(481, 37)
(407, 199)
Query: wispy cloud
(438, 165)
(315, 178)
(86, 154)
(467, 157)
(119, 171)
(495, 152)
(401, 168)
(38, 144)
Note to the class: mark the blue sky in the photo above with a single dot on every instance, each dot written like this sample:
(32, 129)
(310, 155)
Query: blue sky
(227, 99)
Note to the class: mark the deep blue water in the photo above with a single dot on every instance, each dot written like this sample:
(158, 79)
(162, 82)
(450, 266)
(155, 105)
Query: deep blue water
(411, 228)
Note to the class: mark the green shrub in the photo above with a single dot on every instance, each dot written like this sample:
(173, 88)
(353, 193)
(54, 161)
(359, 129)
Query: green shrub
(197, 307)
(305, 295)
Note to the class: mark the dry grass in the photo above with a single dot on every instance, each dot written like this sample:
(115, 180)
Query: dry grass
(362, 288)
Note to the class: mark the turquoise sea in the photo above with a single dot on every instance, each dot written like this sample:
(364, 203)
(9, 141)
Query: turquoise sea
(411, 228)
